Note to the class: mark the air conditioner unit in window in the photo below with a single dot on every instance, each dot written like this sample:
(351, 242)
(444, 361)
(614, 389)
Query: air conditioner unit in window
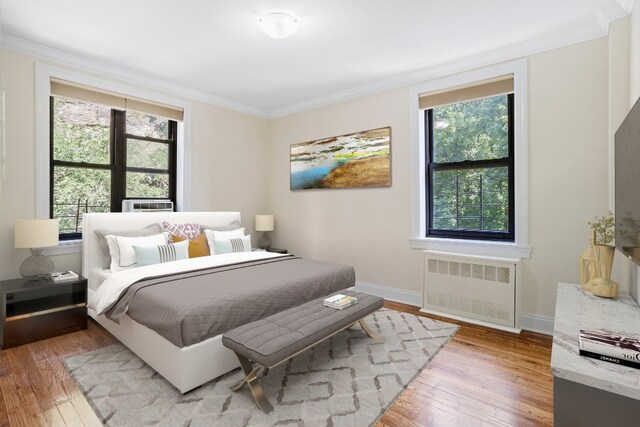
(146, 205)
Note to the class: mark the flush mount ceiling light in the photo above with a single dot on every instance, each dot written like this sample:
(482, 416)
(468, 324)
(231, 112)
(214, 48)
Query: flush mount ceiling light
(278, 25)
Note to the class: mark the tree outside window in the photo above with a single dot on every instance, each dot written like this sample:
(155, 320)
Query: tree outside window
(470, 169)
(101, 155)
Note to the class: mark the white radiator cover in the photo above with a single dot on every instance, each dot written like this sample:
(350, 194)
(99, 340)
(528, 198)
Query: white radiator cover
(475, 289)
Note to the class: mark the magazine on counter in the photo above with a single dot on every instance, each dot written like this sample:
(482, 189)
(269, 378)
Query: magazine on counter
(610, 347)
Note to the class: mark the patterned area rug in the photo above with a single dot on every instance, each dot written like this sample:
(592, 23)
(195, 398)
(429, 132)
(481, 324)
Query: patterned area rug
(348, 380)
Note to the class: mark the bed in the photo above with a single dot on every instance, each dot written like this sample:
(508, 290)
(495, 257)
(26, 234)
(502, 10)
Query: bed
(188, 362)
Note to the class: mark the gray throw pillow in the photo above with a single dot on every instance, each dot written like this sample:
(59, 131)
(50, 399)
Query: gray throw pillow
(141, 232)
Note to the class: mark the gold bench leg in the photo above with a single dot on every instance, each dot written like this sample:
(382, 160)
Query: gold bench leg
(254, 385)
(368, 331)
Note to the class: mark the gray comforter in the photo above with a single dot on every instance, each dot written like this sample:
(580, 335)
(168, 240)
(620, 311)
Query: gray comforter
(190, 307)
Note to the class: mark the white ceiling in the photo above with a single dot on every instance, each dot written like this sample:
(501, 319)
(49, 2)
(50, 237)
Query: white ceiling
(215, 47)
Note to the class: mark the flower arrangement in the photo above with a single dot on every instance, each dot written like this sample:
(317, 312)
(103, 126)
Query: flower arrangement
(603, 229)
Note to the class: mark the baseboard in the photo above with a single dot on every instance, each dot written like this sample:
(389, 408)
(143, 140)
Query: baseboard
(529, 322)
(535, 323)
(391, 294)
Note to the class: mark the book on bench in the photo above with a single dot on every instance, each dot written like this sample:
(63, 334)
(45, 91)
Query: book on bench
(610, 347)
(340, 301)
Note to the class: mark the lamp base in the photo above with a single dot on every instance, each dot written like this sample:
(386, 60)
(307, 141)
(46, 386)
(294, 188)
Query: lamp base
(37, 266)
(265, 241)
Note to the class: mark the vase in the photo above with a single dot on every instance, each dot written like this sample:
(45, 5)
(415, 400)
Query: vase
(587, 268)
(603, 286)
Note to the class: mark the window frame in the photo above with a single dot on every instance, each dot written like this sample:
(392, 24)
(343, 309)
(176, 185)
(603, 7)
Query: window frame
(432, 166)
(157, 93)
(118, 144)
(450, 77)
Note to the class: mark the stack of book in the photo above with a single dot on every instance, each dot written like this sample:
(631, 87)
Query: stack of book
(610, 347)
(340, 301)
(62, 276)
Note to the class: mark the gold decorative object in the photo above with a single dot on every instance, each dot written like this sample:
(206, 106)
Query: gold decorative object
(603, 286)
(602, 234)
(587, 268)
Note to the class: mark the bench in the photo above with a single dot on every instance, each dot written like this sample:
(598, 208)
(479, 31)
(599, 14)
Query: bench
(268, 342)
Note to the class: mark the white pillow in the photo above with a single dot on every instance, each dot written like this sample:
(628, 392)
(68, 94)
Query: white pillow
(237, 244)
(121, 249)
(222, 235)
(148, 255)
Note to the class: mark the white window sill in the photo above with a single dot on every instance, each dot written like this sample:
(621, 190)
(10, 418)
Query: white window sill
(64, 247)
(472, 247)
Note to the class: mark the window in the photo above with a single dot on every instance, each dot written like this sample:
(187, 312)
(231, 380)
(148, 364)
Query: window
(506, 80)
(101, 155)
(470, 169)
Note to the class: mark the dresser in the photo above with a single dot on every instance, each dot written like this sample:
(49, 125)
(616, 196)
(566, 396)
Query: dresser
(589, 392)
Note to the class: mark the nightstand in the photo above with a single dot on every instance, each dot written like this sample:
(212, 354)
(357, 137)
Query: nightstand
(278, 251)
(35, 310)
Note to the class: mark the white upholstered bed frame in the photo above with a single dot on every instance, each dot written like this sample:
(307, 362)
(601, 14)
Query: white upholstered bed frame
(187, 367)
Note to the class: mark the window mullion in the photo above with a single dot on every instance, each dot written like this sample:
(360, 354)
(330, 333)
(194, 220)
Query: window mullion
(173, 162)
(118, 190)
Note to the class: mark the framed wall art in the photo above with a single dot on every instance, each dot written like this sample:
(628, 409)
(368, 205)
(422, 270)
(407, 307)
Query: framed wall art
(356, 160)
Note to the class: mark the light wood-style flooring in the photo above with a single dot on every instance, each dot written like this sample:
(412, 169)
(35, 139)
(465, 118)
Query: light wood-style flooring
(482, 377)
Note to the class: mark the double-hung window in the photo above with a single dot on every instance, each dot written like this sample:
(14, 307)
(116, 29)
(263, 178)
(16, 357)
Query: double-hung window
(469, 134)
(105, 149)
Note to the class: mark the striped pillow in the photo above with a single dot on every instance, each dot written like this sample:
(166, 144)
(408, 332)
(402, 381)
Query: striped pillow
(238, 244)
(148, 255)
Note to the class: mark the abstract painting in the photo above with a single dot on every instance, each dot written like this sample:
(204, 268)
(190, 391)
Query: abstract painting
(361, 159)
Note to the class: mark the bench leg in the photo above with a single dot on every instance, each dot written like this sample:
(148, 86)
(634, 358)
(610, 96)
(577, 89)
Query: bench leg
(366, 328)
(254, 385)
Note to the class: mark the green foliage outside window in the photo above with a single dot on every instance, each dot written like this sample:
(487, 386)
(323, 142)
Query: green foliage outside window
(471, 197)
(82, 137)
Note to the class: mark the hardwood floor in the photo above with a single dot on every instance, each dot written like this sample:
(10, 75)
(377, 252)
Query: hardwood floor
(481, 377)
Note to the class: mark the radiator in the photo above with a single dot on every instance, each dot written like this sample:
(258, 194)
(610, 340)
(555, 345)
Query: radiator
(474, 289)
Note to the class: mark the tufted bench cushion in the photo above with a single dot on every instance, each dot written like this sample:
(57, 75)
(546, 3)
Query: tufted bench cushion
(280, 336)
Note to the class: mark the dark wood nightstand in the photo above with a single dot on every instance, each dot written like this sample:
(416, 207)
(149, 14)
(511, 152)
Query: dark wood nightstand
(35, 310)
(278, 250)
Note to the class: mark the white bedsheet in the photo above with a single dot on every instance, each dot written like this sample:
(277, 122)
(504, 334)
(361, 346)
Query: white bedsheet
(117, 282)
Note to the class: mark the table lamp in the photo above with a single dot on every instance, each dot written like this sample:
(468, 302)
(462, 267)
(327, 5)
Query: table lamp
(36, 234)
(264, 223)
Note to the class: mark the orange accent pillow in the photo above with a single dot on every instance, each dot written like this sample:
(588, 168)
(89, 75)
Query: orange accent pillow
(197, 247)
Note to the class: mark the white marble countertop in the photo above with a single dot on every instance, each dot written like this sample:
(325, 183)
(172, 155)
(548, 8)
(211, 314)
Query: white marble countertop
(577, 309)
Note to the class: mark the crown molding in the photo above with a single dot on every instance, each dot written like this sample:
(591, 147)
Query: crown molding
(63, 58)
(582, 32)
(607, 13)
(434, 70)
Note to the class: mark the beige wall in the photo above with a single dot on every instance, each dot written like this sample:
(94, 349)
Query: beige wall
(227, 170)
(635, 53)
(370, 228)
(367, 228)
(568, 161)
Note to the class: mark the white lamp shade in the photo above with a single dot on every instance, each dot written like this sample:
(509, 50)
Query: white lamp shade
(278, 25)
(264, 222)
(36, 233)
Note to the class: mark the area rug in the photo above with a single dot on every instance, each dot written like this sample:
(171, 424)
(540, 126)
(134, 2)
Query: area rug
(348, 380)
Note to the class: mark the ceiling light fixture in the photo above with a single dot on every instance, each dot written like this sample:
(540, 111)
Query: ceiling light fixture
(278, 25)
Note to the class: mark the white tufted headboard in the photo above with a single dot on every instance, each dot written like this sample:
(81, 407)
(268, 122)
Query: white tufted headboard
(92, 256)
